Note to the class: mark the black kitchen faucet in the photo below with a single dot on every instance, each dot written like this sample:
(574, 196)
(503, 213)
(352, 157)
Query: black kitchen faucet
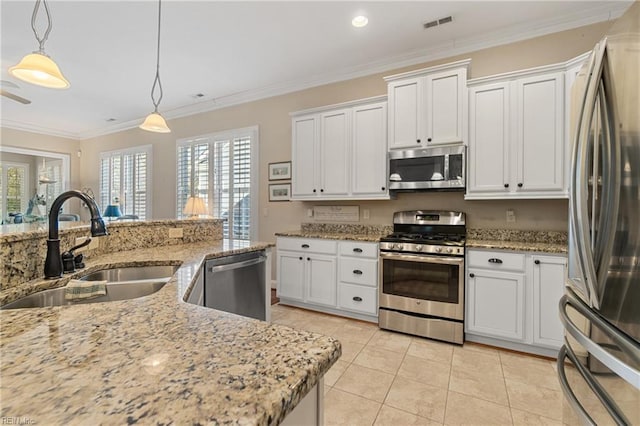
(53, 267)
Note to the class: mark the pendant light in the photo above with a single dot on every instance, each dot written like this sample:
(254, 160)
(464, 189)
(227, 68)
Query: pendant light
(154, 121)
(37, 68)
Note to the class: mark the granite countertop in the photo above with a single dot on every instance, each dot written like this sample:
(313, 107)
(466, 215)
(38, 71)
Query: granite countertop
(156, 359)
(517, 245)
(520, 240)
(374, 238)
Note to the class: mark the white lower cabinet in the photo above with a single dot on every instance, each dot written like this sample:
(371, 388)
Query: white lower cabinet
(512, 300)
(339, 277)
(496, 303)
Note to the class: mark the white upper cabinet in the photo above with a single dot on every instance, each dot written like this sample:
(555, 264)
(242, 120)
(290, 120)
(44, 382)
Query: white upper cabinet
(489, 129)
(428, 106)
(369, 149)
(517, 135)
(305, 132)
(339, 152)
(335, 135)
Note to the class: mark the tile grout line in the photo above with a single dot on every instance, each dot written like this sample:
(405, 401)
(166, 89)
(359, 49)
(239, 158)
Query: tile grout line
(504, 380)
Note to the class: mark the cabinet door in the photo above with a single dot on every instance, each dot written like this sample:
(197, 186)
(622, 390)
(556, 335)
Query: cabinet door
(405, 113)
(549, 274)
(305, 135)
(489, 139)
(321, 279)
(445, 106)
(495, 304)
(370, 150)
(335, 143)
(539, 125)
(291, 275)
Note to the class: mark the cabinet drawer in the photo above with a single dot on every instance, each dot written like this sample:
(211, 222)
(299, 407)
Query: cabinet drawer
(310, 245)
(359, 271)
(495, 260)
(358, 249)
(358, 298)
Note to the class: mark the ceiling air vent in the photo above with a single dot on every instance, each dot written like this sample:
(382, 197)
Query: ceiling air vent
(437, 22)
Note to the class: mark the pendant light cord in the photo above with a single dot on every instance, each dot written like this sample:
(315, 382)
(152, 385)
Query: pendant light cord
(157, 82)
(41, 40)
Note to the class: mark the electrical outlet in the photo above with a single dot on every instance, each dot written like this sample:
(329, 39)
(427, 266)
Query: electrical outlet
(511, 216)
(175, 232)
(92, 245)
(366, 214)
(309, 212)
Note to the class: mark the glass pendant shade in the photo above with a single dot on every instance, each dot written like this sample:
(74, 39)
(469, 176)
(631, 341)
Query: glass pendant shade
(39, 69)
(155, 123)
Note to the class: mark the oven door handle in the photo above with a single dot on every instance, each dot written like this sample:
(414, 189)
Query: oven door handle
(423, 258)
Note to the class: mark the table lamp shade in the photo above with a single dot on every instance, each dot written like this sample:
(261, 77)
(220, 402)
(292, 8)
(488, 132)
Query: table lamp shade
(195, 206)
(112, 210)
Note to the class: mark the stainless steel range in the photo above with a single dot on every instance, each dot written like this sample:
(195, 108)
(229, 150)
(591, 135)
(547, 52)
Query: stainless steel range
(422, 275)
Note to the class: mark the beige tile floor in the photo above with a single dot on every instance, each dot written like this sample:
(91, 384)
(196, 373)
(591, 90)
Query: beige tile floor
(386, 378)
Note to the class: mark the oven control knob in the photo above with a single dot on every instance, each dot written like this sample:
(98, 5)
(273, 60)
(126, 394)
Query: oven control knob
(418, 247)
(449, 250)
(438, 249)
(400, 246)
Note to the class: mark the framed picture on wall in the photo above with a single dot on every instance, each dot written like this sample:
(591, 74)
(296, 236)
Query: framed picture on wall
(280, 192)
(280, 171)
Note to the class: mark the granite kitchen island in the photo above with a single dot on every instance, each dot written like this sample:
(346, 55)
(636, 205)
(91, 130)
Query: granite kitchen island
(155, 359)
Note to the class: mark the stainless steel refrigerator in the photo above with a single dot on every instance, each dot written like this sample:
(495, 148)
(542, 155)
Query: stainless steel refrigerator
(599, 364)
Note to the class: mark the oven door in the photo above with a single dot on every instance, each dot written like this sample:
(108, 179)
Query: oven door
(428, 285)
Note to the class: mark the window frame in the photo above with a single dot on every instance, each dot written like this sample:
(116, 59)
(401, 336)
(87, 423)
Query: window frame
(211, 139)
(146, 149)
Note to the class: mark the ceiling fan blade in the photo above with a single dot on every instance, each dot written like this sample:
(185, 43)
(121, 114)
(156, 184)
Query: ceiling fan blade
(15, 97)
(7, 83)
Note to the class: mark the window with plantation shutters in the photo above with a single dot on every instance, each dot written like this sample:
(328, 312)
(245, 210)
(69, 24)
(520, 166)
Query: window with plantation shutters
(125, 179)
(14, 181)
(221, 169)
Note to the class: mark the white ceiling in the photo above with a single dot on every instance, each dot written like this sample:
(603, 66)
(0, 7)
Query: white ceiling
(233, 51)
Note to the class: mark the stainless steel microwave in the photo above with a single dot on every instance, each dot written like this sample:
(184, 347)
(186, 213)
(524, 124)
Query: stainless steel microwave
(439, 168)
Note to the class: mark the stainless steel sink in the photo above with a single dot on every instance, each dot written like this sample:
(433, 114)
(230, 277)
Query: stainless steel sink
(133, 273)
(122, 284)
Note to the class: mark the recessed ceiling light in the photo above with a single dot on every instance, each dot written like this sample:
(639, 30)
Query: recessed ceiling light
(359, 21)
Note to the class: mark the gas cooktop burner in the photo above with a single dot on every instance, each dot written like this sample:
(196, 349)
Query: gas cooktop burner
(447, 239)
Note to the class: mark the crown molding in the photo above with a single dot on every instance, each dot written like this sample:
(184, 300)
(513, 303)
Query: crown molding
(606, 12)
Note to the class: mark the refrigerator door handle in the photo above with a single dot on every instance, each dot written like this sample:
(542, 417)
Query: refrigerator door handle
(627, 345)
(609, 404)
(580, 216)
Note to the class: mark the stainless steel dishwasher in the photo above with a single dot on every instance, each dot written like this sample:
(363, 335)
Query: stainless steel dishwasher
(236, 284)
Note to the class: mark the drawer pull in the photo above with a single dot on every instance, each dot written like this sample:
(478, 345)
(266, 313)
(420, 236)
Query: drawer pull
(357, 250)
(537, 262)
(495, 260)
(308, 258)
(357, 298)
(300, 257)
(357, 271)
(472, 275)
(305, 246)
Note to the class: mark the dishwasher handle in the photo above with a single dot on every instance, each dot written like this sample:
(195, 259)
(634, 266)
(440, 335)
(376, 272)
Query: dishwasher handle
(232, 266)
